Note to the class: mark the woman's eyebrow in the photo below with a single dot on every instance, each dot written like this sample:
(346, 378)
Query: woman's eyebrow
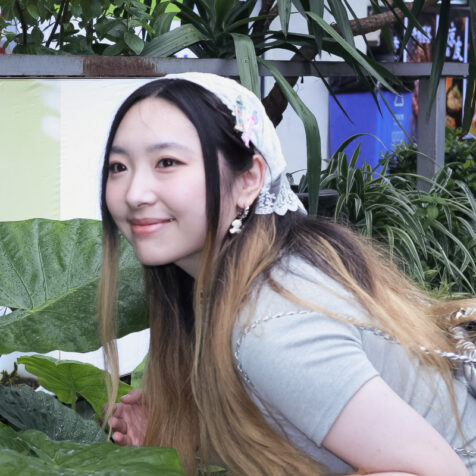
(116, 149)
(166, 145)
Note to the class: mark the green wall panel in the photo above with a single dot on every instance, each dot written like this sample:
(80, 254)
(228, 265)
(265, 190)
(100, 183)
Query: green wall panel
(29, 149)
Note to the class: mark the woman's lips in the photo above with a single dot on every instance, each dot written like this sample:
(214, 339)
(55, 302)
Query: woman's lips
(147, 226)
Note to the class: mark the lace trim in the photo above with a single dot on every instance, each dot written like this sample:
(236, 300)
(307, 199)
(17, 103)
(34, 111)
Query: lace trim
(253, 326)
(250, 116)
(286, 199)
(463, 452)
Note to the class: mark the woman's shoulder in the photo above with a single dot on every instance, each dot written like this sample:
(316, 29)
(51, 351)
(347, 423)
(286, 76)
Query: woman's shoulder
(298, 309)
(295, 286)
(290, 354)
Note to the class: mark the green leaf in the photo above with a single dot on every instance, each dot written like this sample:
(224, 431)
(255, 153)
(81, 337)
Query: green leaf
(347, 141)
(432, 212)
(49, 272)
(138, 373)
(9, 440)
(91, 8)
(44, 12)
(33, 9)
(284, 8)
(340, 14)
(241, 11)
(173, 41)
(188, 16)
(368, 223)
(472, 19)
(113, 29)
(439, 50)
(222, 10)
(37, 35)
(299, 7)
(247, 63)
(31, 453)
(8, 9)
(115, 49)
(412, 22)
(470, 102)
(355, 54)
(26, 409)
(135, 43)
(355, 156)
(67, 378)
(163, 23)
(317, 7)
(470, 99)
(313, 140)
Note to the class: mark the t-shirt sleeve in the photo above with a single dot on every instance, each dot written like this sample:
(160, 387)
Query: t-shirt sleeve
(306, 366)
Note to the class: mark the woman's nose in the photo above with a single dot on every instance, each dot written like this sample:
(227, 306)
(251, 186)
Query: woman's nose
(141, 191)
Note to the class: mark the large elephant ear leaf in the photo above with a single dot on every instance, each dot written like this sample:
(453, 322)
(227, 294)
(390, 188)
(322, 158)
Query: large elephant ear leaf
(49, 273)
(32, 453)
(26, 409)
(67, 379)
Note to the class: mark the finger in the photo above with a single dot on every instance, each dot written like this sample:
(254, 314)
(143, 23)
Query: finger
(105, 408)
(134, 396)
(119, 438)
(117, 410)
(118, 424)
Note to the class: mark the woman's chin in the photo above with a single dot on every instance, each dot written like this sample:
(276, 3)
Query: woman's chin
(148, 260)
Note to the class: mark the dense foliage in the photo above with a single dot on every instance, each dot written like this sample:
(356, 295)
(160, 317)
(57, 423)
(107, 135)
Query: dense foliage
(232, 29)
(460, 156)
(49, 272)
(431, 235)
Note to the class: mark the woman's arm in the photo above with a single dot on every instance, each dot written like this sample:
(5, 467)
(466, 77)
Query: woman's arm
(379, 433)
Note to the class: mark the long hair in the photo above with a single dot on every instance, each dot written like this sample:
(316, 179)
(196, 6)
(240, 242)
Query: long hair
(194, 397)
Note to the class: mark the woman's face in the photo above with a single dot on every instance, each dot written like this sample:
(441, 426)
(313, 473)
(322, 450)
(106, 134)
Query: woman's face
(155, 190)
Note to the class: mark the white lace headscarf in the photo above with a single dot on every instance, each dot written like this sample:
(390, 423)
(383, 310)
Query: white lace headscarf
(251, 119)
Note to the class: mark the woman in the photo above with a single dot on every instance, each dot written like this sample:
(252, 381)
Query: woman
(273, 335)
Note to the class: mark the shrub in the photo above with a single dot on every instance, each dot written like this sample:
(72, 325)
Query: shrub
(460, 156)
(432, 235)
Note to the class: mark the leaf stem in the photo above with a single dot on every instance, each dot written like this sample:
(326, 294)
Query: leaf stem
(59, 19)
(63, 16)
(24, 26)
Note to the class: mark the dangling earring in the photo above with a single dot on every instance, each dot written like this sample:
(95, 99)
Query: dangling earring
(237, 223)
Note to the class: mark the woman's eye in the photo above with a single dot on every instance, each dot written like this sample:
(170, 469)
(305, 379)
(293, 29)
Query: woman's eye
(163, 163)
(116, 167)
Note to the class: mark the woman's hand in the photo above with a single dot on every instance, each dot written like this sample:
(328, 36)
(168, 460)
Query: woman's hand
(128, 422)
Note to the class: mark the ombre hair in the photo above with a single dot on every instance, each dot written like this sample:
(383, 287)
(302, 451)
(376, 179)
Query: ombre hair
(194, 397)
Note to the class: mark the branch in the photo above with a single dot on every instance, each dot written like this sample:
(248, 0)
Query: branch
(262, 26)
(275, 102)
(24, 26)
(59, 18)
(362, 26)
(63, 16)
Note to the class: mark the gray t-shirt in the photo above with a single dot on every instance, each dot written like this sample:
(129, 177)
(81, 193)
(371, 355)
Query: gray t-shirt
(301, 367)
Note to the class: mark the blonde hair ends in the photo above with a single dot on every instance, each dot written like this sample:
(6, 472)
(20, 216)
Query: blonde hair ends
(195, 399)
(107, 299)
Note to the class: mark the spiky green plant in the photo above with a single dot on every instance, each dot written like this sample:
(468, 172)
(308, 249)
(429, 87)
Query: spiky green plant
(431, 234)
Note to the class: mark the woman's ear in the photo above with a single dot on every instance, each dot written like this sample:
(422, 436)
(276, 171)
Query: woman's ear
(250, 182)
